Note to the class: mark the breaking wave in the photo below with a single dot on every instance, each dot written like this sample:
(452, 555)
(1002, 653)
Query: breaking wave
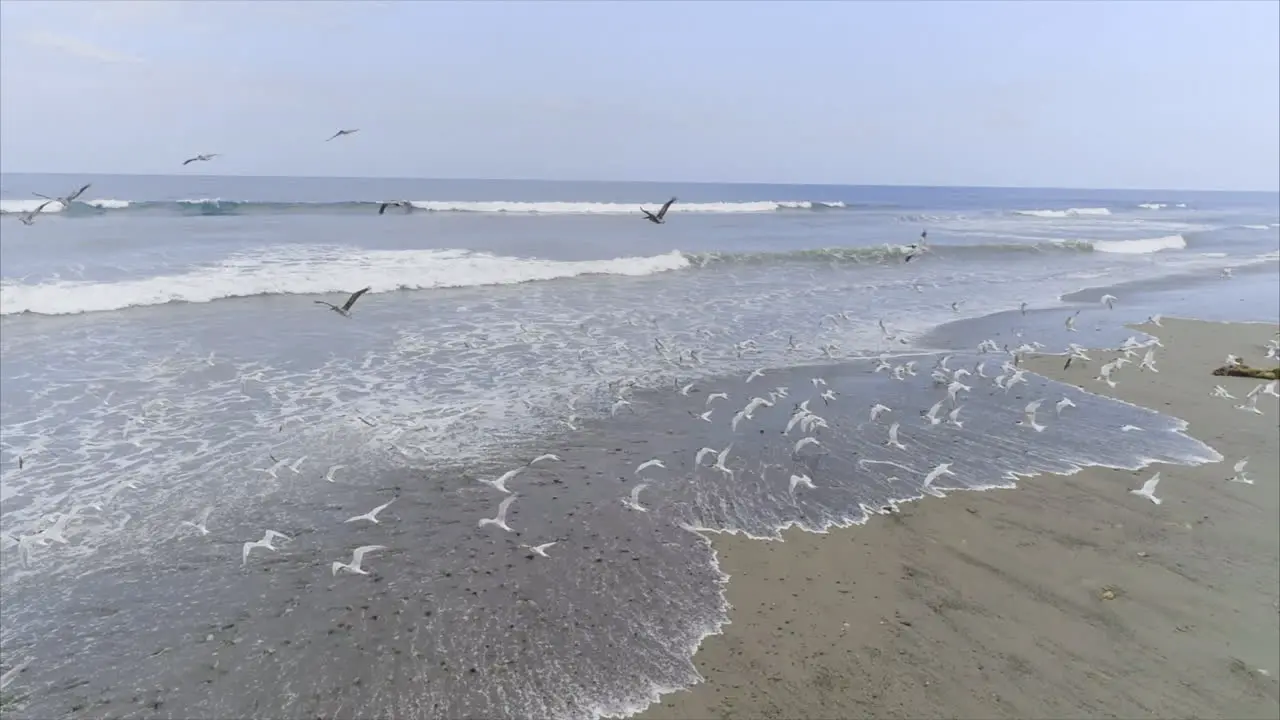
(1069, 212)
(314, 270)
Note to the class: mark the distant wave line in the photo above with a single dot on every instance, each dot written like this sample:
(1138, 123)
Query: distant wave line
(219, 206)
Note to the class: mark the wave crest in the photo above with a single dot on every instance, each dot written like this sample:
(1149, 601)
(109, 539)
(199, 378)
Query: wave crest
(1069, 212)
(315, 273)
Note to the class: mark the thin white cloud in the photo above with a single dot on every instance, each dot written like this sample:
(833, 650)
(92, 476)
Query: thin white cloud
(79, 48)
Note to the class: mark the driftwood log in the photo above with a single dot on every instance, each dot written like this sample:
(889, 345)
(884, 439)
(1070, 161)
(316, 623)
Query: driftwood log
(1246, 371)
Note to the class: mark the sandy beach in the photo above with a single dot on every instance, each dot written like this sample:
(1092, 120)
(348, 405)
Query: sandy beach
(1067, 597)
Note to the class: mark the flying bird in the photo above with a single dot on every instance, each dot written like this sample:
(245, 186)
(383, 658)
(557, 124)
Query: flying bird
(540, 549)
(267, 538)
(916, 249)
(633, 500)
(662, 213)
(66, 201)
(200, 158)
(30, 218)
(501, 519)
(372, 515)
(1241, 476)
(1148, 489)
(408, 206)
(1109, 301)
(357, 557)
(345, 310)
(340, 133)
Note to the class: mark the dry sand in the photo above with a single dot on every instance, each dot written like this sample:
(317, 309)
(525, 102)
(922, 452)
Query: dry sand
(1067, 597)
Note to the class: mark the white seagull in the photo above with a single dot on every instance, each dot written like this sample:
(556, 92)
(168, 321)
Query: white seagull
(755, 374)
(651, 463)
(372, 515)
(357, 557)
(633, 500)
(501, 483)
(1109, 301)
(203, 525)
(800, 480)
(501, 519)
(265, 542)
(1063, 404)
(1148, 489)
(328, 476)
(877, 409)
(934, 474)
(1221, 392)
(1029, 416)
(547, 456)
(954, 417)
(893, 438)
(1241, 476)
(539, 549)
(1251, 405)
(714, 396)
(720, 459)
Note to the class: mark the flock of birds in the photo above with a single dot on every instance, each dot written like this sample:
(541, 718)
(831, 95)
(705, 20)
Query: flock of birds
(29, 218)
(954, 382)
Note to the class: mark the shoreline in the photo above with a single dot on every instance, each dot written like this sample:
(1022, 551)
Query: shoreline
(1136, 608)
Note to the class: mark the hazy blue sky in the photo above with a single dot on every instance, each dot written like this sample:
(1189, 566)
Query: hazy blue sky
(1074, 94)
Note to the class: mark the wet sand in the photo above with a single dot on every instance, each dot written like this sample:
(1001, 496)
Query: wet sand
(1068, 597)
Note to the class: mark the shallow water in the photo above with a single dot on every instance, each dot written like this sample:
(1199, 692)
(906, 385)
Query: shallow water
(159, 412)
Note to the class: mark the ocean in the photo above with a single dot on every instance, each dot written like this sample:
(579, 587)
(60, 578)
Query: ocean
(170, 391)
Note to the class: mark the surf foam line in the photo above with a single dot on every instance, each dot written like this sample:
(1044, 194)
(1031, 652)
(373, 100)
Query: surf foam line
(317, 272)
(219, 206)
(1069, 212)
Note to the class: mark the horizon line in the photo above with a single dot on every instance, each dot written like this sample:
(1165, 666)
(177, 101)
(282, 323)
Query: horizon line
(655, 182)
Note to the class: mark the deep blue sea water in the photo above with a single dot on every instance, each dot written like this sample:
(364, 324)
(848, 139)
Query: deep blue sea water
(163, 358)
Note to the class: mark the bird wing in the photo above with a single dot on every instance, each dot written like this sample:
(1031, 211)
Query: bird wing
(382, 208)
(270, 535)
(42, 206)
(665, 207)
(506, 503)
(188, 162)
(635, 492)
(358, 554)
(79, 192)
(354, 297)
(543, 547)
(893, 432)
(1240, 465)
(1150, 485)
(382, 507)
(1033, 406)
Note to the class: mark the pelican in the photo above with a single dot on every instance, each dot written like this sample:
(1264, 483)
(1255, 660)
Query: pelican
(917, 249)
(408, 206)
(66, 201)
(345, 310)
(200, 158)
(340, 133)
(30, 218)
(662, 213)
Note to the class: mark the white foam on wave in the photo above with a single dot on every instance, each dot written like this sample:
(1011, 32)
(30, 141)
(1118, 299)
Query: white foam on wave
(1255, 227)
(1152, 206)
(602, 208)
(1144, 246)
(1069, 212)
(310, 271)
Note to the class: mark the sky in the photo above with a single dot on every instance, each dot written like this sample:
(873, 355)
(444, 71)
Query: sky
(1181, 95)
